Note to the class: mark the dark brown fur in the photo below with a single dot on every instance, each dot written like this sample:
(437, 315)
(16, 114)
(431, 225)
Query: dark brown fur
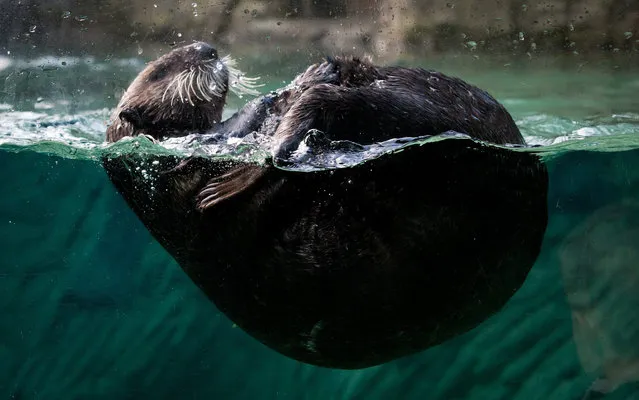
(352, 99)
(142, 109)
(361, 102)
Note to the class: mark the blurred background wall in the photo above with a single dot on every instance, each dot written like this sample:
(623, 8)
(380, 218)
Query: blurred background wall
(388, 29)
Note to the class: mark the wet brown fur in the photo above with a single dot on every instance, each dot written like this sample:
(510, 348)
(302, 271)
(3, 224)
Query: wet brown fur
(352, 99)
(158, 117)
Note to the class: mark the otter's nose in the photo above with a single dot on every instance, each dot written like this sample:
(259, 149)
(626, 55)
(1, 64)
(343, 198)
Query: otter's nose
(204, 50)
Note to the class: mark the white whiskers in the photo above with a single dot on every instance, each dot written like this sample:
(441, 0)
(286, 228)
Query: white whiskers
(240, 83)
(209, 80)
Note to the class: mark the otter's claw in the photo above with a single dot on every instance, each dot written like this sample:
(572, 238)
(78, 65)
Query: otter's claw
(151, 138)
(228, 185)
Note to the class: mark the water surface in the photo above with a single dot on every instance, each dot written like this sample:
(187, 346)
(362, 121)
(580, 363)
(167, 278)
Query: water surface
(94, 308)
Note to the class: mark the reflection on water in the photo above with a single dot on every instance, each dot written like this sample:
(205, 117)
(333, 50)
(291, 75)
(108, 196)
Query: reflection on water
(600, 266)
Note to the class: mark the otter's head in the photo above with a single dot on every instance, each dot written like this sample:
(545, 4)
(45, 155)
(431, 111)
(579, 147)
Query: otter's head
(181, 92)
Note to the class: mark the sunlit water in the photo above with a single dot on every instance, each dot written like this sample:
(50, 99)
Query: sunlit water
(94, 308)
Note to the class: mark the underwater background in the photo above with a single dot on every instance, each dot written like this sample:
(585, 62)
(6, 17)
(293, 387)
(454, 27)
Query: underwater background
(93, 308)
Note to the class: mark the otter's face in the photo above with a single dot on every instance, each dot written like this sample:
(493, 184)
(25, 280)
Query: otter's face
(179, 93)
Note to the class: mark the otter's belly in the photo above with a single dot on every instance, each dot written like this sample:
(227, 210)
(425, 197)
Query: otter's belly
(354, 267)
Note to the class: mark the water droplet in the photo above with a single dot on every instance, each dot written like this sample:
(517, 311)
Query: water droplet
(156, 162)
(627, 35)
(66, 14)
(179, 35)
(155, 6)
(521, 36)
(571, 27)
(33, 29)
(471, 45)
(140, 50)
(254, 13)
(194, 5)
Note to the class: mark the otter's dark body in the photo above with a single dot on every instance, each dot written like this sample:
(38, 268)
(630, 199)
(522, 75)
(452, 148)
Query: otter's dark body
(351, 99)
(353, 267)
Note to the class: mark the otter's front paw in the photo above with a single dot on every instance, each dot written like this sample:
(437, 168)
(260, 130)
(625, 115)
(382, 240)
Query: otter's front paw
(228, 185)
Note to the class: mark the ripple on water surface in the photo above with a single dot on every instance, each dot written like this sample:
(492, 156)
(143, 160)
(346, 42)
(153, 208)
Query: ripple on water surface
(43, 108)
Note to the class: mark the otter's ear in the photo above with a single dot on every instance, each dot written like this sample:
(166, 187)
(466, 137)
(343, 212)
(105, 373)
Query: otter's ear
(131, 116)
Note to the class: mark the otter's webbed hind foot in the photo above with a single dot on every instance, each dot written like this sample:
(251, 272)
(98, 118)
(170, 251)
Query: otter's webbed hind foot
(228, 185)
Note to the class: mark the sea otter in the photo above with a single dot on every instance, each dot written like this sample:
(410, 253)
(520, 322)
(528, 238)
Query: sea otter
(347, 98)
(340, 267)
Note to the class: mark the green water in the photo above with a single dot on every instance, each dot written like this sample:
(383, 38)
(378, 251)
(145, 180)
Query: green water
(93, 308)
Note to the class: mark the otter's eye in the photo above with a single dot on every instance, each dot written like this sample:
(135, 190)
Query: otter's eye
(158, 74)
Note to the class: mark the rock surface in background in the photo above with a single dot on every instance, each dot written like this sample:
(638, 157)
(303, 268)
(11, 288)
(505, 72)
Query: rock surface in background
(388, 29)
